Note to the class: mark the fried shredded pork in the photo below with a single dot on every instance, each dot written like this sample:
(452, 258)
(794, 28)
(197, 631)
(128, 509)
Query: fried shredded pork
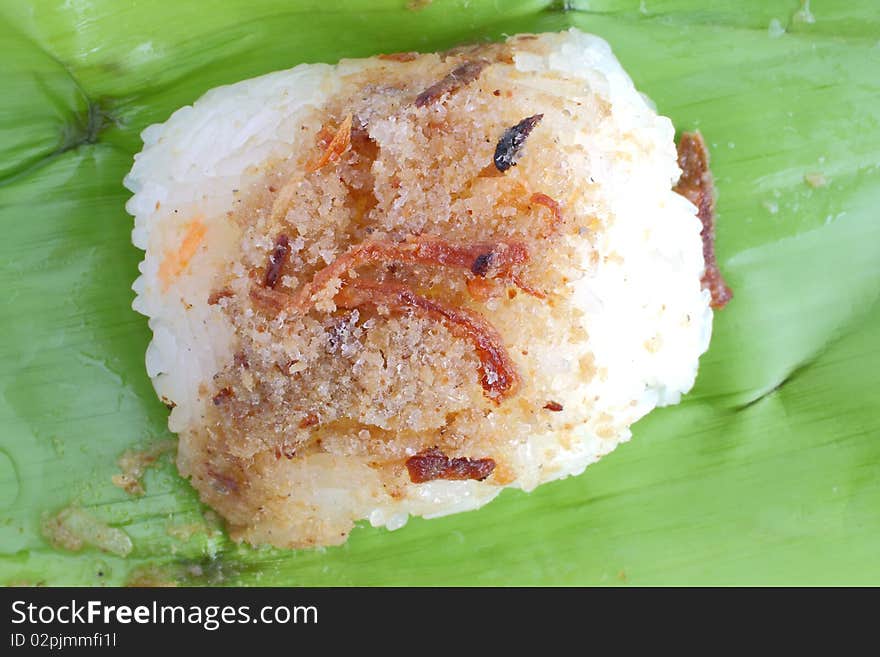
(278, 258)
(696, 186)
(498, 374)
(458, 77)
(337, 146)
(483, 260)
(556, 218)
(431, 464)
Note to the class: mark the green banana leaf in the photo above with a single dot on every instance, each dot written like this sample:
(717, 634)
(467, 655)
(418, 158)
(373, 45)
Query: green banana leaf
(767, 473)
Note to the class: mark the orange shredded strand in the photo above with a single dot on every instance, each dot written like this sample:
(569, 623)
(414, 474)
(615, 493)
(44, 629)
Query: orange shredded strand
(528, 289)
(556, 219)
(498, 374)
(337, 146)
(500, 258)
(479, 288)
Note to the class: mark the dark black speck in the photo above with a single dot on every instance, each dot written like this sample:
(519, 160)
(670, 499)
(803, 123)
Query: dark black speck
(482, 263)
(510, 145)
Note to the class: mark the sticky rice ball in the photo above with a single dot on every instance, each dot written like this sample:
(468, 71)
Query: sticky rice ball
(398, 285)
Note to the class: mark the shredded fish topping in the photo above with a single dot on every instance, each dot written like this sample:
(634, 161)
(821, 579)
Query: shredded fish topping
(484, 260)
(498, 374)
(431, 464)
(458, 77)
(277, 259)
(697, 187)
(556, 219)
(337, 146)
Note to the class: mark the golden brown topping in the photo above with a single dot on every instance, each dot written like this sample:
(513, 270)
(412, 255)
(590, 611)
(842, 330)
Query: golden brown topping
(277, 259)
(696, 186)
(337, 146)
(498, 373)
(510, 145)
(553, 406)
(486, 260)
(454, 80)
(431, 464)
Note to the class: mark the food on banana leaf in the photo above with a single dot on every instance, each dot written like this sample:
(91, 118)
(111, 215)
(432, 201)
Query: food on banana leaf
(398, 285)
